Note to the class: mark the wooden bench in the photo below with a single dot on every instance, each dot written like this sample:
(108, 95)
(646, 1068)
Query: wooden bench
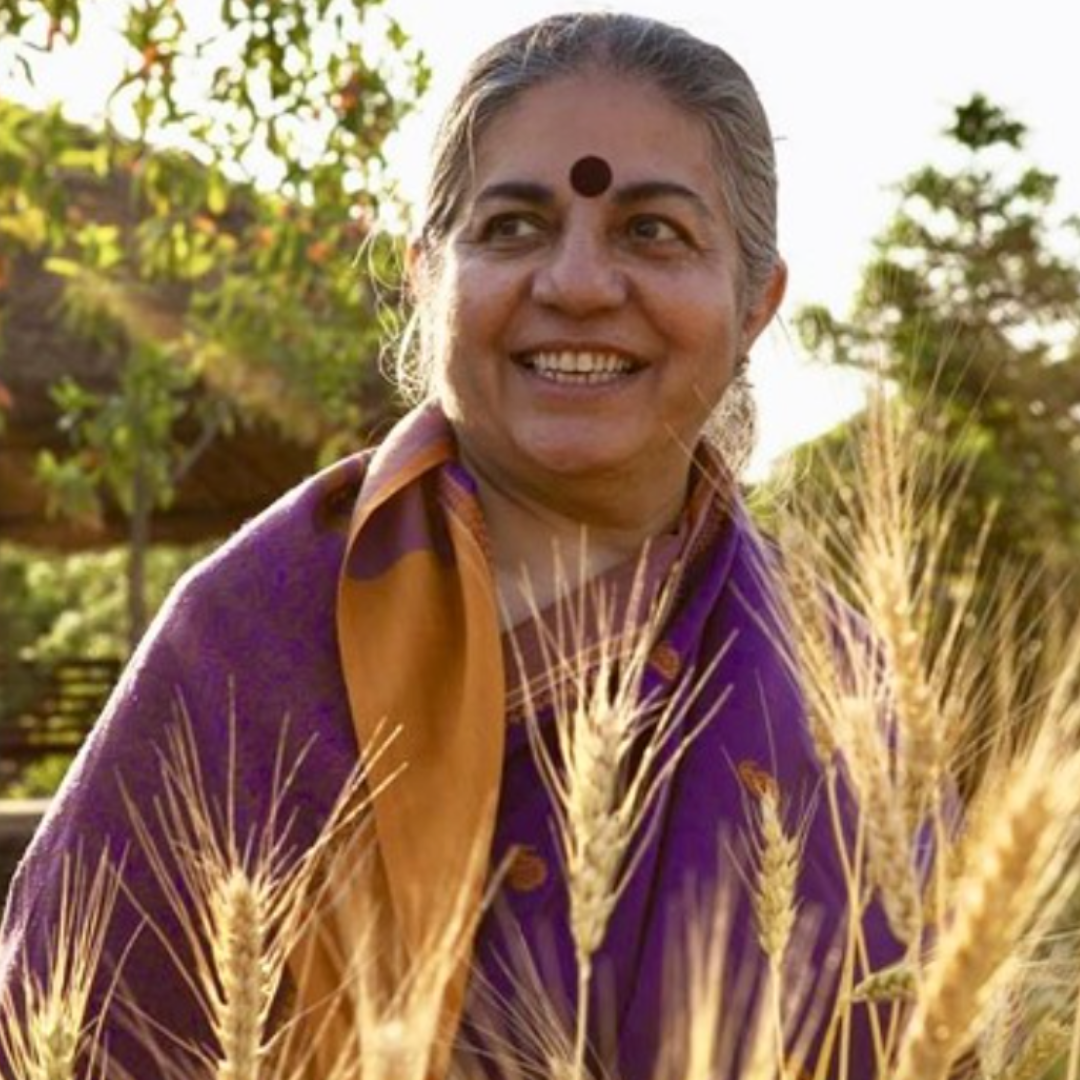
(48, 709)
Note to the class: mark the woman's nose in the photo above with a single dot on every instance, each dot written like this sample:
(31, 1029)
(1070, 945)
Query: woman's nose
(580, 274)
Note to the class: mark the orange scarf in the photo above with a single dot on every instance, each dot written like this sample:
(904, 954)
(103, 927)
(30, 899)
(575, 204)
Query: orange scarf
(419, 639)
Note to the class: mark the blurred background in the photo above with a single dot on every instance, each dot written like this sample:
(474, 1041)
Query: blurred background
(203, 208)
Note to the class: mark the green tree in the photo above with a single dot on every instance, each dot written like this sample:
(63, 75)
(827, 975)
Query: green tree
(971, 305)
(227, 263)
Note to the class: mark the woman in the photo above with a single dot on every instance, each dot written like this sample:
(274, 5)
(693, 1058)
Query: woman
(598, 258)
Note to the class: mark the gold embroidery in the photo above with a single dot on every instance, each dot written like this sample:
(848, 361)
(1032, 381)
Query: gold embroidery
(527, 871)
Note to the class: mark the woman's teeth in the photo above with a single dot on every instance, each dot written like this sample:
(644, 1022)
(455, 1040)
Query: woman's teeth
(579, 367)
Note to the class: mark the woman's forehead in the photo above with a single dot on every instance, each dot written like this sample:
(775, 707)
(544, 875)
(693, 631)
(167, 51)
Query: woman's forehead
(585, 133)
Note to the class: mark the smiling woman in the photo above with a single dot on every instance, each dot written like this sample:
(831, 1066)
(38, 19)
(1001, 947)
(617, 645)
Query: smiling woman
(545, 578)
(582, 341)
(544, 291)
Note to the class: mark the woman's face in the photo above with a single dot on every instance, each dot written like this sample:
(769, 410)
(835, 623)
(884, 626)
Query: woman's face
(586, 335)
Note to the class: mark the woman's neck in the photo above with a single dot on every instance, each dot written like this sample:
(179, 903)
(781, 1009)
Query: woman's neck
(544, 548)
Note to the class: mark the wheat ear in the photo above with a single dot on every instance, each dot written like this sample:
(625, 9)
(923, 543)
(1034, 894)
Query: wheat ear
(897, 982)
(1046, 1045)
(1015, 871)
(703, 994)
(808, 619)
(395, 999)
(889, 839)
(50, 1033)
(777, 871)
(244, 907)
(601, 804)
(521, 1034)
(240, 914)
(774, 899)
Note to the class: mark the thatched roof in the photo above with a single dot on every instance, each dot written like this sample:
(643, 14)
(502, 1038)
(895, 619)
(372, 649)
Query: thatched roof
(237, 474)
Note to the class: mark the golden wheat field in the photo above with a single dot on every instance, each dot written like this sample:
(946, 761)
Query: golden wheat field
(929, 720)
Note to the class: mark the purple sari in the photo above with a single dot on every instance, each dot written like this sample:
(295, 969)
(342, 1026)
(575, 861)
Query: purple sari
(252, 630)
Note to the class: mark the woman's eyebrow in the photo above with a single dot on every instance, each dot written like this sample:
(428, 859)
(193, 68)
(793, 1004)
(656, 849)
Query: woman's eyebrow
(518, 191)
(530, 191)
(656, 189)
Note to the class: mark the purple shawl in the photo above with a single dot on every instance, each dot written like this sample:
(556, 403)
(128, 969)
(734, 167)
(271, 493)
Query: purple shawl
(252, 628)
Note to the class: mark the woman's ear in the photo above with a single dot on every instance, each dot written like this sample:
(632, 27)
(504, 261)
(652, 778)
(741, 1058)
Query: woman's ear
(768, 302)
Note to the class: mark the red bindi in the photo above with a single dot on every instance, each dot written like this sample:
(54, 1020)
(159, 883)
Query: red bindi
(590, 176)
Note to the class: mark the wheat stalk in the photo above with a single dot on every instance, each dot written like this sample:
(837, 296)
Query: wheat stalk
(47, 1031)
(240, 912)
(395, 1001)
(996, 1028)
(896, 982)
(711, 1014)
(889, 840)
(521, 1034)
(809, 622)
(247, 898)
(773, 893)
(890, 545)
(601, 805)
(884, 544)
(1019, 862)
(896, 700)
(777, 871)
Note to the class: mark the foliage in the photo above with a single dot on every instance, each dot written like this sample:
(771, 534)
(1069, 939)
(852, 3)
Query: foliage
(117, 435)
(53, 607)
(305, 94)
(220, 276)
(39, 779)
(61, 606)
(972, 305)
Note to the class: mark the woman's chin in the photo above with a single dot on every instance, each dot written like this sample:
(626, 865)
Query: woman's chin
(582, 459)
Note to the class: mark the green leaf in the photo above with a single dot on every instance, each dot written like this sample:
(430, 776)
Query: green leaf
(94, 160)
(62, 267)
(217, 193)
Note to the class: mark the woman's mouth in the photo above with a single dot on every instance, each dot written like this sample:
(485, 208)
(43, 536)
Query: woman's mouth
(584, 368)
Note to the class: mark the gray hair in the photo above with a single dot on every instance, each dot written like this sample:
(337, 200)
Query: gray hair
(694, 74)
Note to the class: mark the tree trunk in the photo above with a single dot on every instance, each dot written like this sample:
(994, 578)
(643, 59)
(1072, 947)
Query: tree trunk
(139, 543)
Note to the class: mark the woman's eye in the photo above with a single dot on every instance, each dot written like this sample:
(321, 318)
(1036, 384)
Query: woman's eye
(509, 227)
(655, 230)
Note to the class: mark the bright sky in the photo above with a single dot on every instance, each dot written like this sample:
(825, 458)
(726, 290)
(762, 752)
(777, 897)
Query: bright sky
(857, 91)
